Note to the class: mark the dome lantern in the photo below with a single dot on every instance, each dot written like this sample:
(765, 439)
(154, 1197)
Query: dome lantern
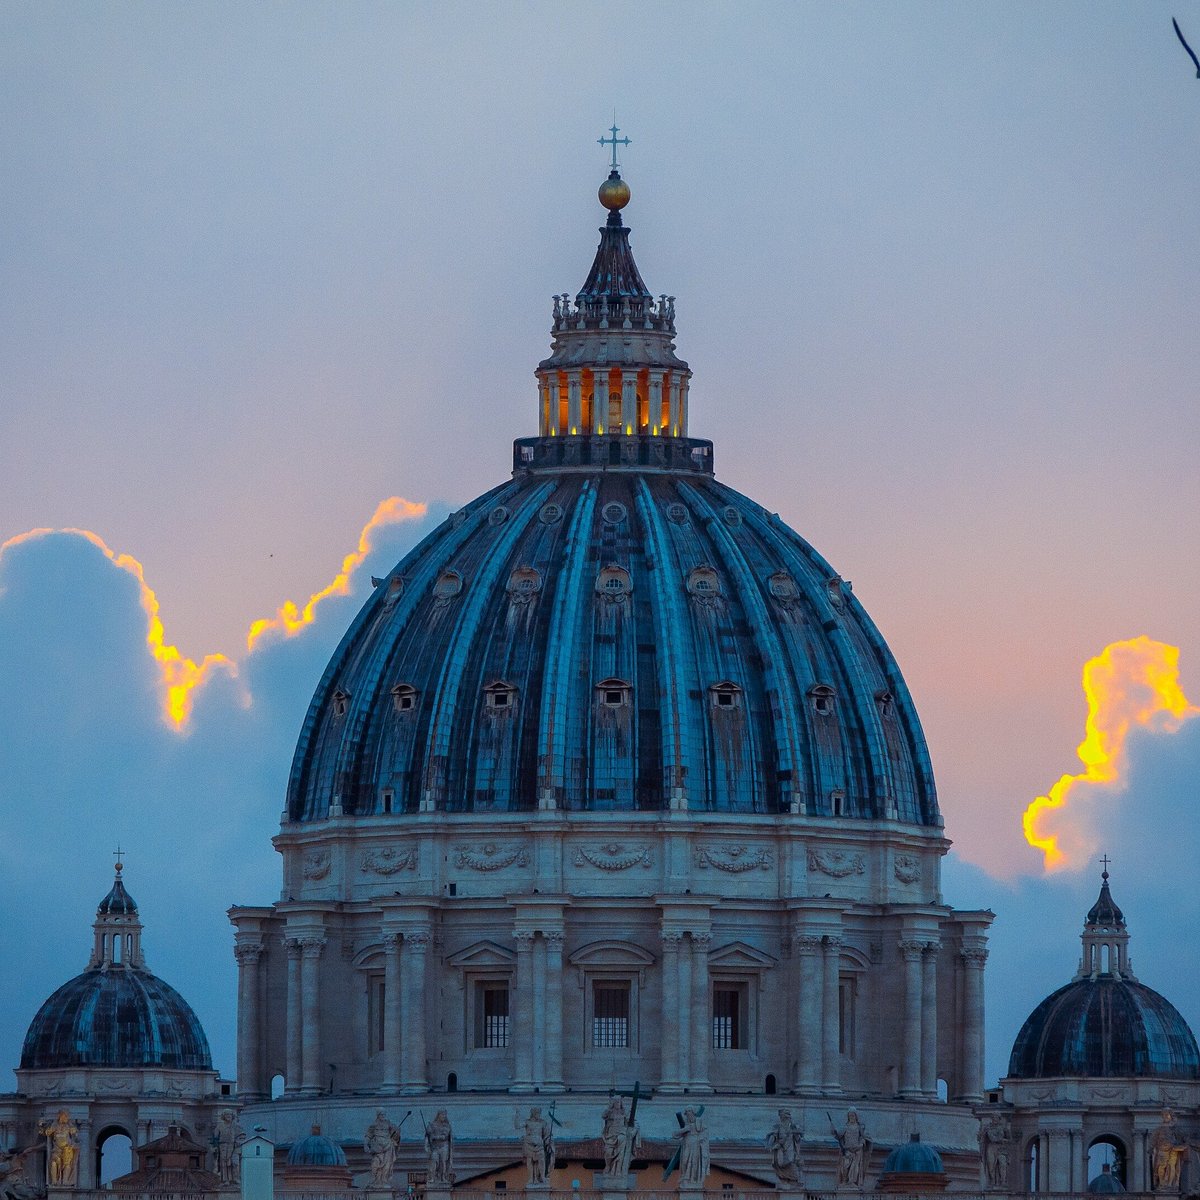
(118, 931)
(1105, 938)
(613, 371)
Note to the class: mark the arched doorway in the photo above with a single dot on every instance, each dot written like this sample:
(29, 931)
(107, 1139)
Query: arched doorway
(114, 1155)
(1106, 1151)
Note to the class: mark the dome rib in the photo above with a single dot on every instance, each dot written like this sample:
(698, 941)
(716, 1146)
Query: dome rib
(566, 624)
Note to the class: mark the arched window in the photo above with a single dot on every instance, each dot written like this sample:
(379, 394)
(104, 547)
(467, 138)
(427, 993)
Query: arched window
(1106, 1151)
(613, 583)
(404, 698)
(277, 1085)
(769, 1087)
(114, 1155)
(822, 697)
(1033, 1155)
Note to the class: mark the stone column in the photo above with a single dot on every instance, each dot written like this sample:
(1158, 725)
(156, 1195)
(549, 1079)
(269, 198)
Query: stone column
(1136, 1175)
(629, 406)
(831, 1067)
(673, 407)
(393, 1016)
(929, 1022)
(683, 399)
(1079, 1179)
(973, 959)
(910, 1062)
(655, 404)
(539, 1011)
(310, 1019)
(86, 1175)
(807, 949)
(553, 1079)
(522, 1020)
(685, 1016)
(669, 1076)
(295, 1019)
(574, 400)
(415, 1019)
(1060, 1161)
(249, 1021)
(701, 1012)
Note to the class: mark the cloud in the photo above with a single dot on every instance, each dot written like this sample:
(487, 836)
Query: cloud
(1130, 686)
(180, 675)
(86, 762)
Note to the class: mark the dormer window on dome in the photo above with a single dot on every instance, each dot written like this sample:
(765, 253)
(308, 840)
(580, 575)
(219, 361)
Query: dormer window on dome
(725, 695)
(404, 698)
(341, 703)
(613, 583)
(499, 697)
(614, 693)
(822, 697)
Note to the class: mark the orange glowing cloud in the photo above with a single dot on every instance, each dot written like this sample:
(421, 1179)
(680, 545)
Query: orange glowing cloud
(1132, 684)
(290, 618)
(180, 676)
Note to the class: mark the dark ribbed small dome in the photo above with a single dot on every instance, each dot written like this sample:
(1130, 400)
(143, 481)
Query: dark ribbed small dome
(1105, 910)
(316, 1150)
(116, 1017)
(118, 902)
(1105, 1027)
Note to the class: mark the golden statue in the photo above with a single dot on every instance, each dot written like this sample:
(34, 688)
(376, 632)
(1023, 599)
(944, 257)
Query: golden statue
(62, 1150)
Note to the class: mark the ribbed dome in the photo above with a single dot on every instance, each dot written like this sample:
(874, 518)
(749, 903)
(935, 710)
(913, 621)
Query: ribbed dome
(316, 1150)
(613, 630)
(1105, 1027)
(913, 1157)
(116, 1017)
(118, 902)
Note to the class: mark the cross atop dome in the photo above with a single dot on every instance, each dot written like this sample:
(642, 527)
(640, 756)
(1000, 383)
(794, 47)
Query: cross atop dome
(614, 141)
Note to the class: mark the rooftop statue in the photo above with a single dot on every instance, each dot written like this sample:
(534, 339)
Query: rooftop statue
(381, 1141)
(784, 1142)
(62, 1150)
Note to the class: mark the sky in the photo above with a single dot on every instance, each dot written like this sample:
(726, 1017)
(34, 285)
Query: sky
(264, 267)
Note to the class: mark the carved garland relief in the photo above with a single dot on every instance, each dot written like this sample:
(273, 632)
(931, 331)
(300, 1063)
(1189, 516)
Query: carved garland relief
(835, 863)
(613, 856)
(388, 860)
(490, 856)
(733, 859)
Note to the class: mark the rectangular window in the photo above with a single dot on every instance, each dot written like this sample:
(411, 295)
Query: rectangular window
(728, 1017)
(847, 995)
(376, 996)
(610, 1014)
(491, 1016)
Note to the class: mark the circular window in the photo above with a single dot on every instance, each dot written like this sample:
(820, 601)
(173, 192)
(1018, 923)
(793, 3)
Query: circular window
(498, 515)
(783, 587)
(733, 518)
(614, 513)
(550, 514)
(677, 514)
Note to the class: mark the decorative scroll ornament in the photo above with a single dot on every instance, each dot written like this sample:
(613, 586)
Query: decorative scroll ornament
(613, 856)
(388, 860)
(734, 859)
(906, 868)
(316, 864)
(836, 863)
(490, 857)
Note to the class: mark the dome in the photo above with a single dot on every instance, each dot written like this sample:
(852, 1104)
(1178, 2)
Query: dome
(613, 639)
(316, 1150)
(116, 1017)
(914, 1157)
(1105, 1027)
(118, 902)
(613, 629)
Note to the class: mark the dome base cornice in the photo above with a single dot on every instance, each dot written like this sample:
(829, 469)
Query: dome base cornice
(613, 452)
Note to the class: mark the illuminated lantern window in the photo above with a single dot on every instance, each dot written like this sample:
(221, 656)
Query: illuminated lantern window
(404, 698)
(822, 697)
(614, 693)
(725, 695)
(499, 697)
(614, 583)
(341, 704)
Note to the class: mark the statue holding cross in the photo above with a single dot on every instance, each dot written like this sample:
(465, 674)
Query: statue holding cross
(620, 1133)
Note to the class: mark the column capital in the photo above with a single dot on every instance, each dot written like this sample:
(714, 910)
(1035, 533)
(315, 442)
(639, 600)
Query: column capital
(832, 944)
(911, 949)
(248, 953)
(974, 956)
(391, 940)
(671, 939)
(932, 949)
(701, 940)
(806, 944)
(292, 946)
(418, 939)
(554, 940)
(524, 940)
(311, 947)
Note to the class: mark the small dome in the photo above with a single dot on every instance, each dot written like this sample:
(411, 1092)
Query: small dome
(122, 1017)
(118, 902)
(316, 1150)
(1105, 1027)
(915, 1157)
(1105, 910)
(1106, 1182)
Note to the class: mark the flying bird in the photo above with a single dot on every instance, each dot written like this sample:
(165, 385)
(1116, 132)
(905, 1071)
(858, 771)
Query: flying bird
(1183, 41)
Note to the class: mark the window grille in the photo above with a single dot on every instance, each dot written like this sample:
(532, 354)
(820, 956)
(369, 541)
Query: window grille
(727, 1018)
(491, 1016)
(610, 1014)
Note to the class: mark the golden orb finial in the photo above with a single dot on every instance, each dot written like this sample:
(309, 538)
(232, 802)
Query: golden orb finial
(614, 192)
